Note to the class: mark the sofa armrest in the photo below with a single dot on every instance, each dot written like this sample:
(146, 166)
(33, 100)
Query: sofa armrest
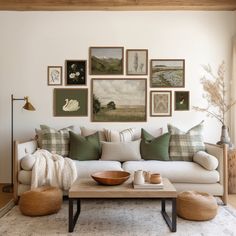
(20, 150)
(221, 153)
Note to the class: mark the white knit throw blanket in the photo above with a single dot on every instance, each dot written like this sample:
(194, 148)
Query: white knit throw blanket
(52, 169)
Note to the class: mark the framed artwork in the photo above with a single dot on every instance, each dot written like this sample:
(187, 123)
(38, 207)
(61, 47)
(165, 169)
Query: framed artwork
(160, 103)
(167, 73)
(75, 72)
(119, 100)
(136, 61)
(54, 75)
(70, 102)
(181, 100)
(106, 60)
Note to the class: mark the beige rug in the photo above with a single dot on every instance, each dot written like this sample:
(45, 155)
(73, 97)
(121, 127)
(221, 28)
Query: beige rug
(116, 217)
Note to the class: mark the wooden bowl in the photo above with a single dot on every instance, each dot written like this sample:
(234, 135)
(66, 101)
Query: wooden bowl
(155, 178)
(111, 177)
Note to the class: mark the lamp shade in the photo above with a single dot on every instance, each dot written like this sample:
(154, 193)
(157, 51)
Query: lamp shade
(28, 106)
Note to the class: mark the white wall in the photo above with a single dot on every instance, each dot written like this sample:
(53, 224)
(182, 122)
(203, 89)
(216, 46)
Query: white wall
(30, 41)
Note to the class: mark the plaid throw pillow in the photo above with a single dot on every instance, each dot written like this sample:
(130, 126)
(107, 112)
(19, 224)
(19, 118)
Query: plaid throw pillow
(56, 140)
(184, 145)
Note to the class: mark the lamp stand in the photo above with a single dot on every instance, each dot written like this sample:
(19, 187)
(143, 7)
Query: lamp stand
(9, 187)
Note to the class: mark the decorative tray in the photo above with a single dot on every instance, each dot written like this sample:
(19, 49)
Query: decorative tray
(148, 185)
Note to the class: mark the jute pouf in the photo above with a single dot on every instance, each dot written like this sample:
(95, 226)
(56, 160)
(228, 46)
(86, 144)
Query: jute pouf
(192, 205)
(41, 201)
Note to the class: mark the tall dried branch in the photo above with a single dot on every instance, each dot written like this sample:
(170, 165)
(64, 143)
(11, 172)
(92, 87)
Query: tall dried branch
(214, 93)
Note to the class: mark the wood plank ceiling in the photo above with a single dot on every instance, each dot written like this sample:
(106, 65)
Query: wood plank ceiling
(73, 5)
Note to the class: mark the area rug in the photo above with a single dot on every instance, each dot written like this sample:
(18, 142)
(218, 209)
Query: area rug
(116, 217)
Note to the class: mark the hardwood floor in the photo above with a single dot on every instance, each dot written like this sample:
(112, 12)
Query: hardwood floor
(4, 197)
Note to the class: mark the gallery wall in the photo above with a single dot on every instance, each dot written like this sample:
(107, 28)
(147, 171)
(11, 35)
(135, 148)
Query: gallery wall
(31, 41)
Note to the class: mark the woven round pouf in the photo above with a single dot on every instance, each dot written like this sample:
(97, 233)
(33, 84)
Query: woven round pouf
(41, 201)
(192, 205)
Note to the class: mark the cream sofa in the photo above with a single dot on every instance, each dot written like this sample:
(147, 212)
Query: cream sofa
(184, 175)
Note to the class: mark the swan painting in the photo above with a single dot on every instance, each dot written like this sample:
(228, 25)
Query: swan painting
(71, 105)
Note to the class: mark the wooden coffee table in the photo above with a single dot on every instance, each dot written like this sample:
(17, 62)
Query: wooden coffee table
(88, 188)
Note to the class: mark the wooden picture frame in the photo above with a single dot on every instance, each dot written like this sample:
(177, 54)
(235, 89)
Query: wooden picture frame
(182, 100)
(160, 103)
(75, 72)
(70, 102)
(136, 61)
(167, 73)
(54, 74)
(110, 102)
(106, 60)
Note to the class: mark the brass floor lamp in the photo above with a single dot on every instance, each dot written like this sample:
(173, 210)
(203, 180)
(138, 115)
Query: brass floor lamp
(28, 106)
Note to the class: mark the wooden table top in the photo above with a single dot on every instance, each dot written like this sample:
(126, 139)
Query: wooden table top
(88, 188)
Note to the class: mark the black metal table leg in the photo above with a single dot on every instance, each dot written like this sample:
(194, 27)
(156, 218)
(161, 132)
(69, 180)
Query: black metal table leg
(170, 222)
(73, 217)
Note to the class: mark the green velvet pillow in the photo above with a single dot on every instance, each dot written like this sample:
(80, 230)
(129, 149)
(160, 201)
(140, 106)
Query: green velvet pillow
(154, 148)
(84, 148)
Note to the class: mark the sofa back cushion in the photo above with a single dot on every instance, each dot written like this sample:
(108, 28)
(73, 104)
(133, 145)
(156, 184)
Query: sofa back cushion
(55, 140)
(121, 151)
(87, 131)
(154, 148)
(84, 148)
(125, 135)
(183, 145)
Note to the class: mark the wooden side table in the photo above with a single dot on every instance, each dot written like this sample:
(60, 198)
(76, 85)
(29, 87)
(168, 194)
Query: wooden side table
(232, 170)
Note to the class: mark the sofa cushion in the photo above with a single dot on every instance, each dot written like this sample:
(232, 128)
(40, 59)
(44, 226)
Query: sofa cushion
(121, 151)
(56, 140)
(175, 171)
(84, 148)
(27, 162)
(24, 176)
(125, 135)
(39, 133)
(154, 148)
(86, 168)
(206, 160)
(184, 145)
(86, 132)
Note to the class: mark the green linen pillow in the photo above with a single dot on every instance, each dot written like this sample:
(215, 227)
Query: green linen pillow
(84, 148)
(55, 140)
(183, 145)
(154, 148)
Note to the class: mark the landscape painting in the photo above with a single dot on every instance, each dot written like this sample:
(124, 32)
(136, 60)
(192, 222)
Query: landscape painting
(106, 60)
(119, 100)
(167, 73)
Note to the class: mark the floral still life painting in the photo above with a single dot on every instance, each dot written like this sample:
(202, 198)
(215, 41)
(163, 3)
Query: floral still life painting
(75, 72)
(70, 102)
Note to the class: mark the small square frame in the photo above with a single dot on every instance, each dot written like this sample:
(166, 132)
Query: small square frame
(182, 100)
(54, 75)
(75, 72)
(160, 103)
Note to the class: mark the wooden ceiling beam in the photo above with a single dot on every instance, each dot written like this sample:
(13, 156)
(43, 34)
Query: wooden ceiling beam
(80, 5)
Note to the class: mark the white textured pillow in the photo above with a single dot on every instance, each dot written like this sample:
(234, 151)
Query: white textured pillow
(121, 151)
(206, 160)
(125, 135)
(27, 162)
(87, 132)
